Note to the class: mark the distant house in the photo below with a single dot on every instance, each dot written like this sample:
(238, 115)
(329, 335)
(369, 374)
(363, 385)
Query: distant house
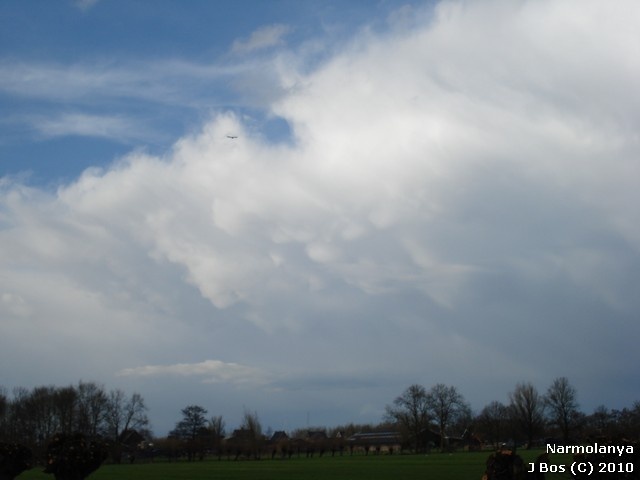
(470, 441)
(431, 439)
(279, 436)
(279, 444)
(316, 436)
(241, 435)
(131, 438)
(132, 444)
(380, 442)
(244, 441)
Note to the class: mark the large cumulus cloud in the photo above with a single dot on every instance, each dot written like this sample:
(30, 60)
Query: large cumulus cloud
(463, 190)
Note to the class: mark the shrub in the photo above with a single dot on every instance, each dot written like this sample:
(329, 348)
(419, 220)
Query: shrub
(73, 457)
(14, 459)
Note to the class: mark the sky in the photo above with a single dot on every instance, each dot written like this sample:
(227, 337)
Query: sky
(419, 192)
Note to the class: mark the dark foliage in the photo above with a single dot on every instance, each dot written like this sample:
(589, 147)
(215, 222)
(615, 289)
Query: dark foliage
(73, 457)
(14, 459)
(504, 465)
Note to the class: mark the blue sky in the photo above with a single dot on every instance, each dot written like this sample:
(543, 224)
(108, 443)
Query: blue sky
(439, 192)
(107, 77)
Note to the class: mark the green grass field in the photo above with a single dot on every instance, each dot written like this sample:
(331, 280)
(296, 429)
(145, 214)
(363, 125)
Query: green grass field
(456, 466)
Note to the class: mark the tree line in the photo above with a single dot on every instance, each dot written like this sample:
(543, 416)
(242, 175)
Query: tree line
(423, 418)
(529, 417)
(33, 417)
(438, 417)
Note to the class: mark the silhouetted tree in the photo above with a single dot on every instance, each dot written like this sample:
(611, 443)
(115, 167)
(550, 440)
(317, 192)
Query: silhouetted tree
(191, 427)
(4, 413)
(65, 401)
(42, 412)
(91, 409)
(562, 406)
(19, 424)
(633, 427)
(411, 412)
(527, 410)
(216, 428)
(492, 421)
(445, 404)
(600, 422)
(193, 421)
(251, 424)
(34, 416)
(123, 414)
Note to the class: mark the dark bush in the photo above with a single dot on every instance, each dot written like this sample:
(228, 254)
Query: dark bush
(73, 457)
(504, 465)
(14, 459)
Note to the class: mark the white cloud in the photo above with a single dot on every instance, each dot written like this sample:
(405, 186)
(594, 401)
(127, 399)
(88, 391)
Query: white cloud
(170, 81)
(13, 305)
(85, 4)
(212, 371)
(113, 127)
(265, 37)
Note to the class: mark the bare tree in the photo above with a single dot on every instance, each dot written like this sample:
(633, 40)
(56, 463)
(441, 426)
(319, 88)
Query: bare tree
(445, 404)
(135, 413)
(633, 426)
(65, 403)
(123, 414)
(43, 419)
(600, 421)
(493, 421)
(527, 410)
(411, 412)
(563, 406)
(217, 428)
(91, 409)
(19, 426)
(115, 414)
(251, 424)
(4, 413)
(44, 411)
(32, 417)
